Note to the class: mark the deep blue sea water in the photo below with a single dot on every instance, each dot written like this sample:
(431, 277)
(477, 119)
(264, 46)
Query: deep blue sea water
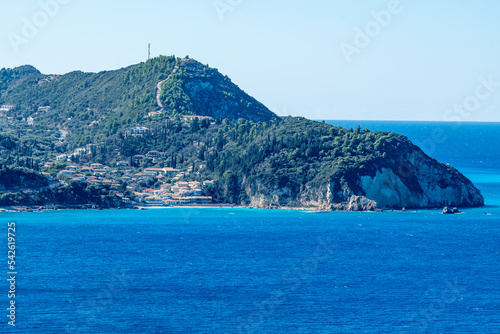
(267, 271)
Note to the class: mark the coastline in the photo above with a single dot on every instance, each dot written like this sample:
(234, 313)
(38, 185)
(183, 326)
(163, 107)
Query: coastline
(41, 208)
(19, 209)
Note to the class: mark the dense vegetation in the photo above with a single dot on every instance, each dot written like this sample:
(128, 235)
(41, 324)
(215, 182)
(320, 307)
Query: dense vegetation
(195, 89)
(292, 153)
(21, 177)
(73, 194)
(108, 102)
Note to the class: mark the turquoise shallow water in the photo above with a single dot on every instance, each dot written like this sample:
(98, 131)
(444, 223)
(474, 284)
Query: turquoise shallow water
(488, 181)
(259, 271)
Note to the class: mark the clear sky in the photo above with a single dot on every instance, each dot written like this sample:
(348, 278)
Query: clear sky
(322, 59)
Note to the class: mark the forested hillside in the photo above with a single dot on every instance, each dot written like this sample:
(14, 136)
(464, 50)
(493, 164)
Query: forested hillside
(139, 117)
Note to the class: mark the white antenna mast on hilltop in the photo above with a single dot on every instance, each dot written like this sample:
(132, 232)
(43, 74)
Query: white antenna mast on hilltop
(149, 51)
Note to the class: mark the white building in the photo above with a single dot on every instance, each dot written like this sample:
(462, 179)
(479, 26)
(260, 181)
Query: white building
(154, 201)
(44, 109)
(91, 147)
(62, 157)
(160, 171)
(122, 163)
(6, 107)
(139, 131)
(153, 171)
(96, 166)
(80, 151)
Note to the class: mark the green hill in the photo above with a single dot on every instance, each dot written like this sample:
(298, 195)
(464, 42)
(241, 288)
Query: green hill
(256, 158)
(128, 94)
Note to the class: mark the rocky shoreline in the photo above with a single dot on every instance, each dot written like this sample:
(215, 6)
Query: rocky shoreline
(339, 208)
(40, 208)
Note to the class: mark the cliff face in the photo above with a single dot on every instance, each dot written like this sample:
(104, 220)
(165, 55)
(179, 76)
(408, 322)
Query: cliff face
(433, 185)
(409, 179)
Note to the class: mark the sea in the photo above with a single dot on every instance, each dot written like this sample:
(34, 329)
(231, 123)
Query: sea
(233, 270)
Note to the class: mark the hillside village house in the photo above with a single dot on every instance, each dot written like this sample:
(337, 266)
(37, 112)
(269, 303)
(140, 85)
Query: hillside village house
(86, 169)
(99, 172)
(153, 171)
(153, 201)
(208, 183)
(160, 177)
(77, 179)
(7, 107)
(62, 157)
(150, 191)
(180, 188)
(95, 182)
(197, 199)
(170, 170)
(139, 197)
(109, 182)
(121, 163)
(126, 179)
(68, 173)
(160, 171)
(80, 151)
(126, 201)
(44, 109)
(153, 154)
(91, 147)
(178, 176)
(197, 191)
(138, 131)
(139, 157)
(96, 166)
(192, 118)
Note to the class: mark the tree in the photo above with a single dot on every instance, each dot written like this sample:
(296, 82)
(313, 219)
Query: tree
(195, 125)
(201, 155)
